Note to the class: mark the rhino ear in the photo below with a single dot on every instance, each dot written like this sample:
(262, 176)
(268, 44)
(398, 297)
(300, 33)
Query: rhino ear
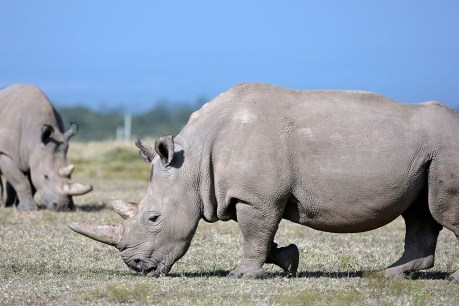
(164, 147)
(46, 133)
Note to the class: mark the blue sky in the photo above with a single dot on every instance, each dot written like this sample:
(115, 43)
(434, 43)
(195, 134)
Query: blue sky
(131, 54)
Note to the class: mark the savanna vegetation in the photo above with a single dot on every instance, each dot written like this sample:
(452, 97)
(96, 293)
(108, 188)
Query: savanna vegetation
(165, 118)
(42, 262)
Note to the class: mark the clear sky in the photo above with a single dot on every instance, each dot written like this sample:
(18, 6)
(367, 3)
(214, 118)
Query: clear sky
(132, 54)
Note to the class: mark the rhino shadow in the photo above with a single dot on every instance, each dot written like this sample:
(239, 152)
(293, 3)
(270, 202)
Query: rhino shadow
(214, 273)
(92, 207)
(433, 275)
(305, 274)
(426, 275)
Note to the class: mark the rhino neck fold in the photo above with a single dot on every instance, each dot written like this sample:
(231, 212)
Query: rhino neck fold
(206, 184)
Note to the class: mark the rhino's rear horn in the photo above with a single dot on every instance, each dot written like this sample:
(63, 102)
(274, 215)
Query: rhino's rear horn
(72, 131)
(75, 189)
(66, 171)
(108, 234)
(146, 152)
(124, 209)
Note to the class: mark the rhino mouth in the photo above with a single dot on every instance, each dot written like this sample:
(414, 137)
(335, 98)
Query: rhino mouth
(153, 268)
(160, 270)
(152, 271)
(142, 267)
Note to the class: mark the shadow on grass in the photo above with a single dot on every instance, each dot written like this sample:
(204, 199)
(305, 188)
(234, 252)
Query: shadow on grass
(216, 273)
(306, 274)
(433, 275)
(423, 275)
(328, 274)
(91, 207)
(426, 275)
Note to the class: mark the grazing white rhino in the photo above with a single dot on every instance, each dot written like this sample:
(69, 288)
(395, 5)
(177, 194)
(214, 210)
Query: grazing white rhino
(33, 149)
(336, 161)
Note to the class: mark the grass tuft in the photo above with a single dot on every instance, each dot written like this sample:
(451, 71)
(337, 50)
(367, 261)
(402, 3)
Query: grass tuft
(314, 297)
(140, 293)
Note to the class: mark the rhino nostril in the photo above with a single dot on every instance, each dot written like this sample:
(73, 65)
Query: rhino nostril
(138, 264)
(54, 205)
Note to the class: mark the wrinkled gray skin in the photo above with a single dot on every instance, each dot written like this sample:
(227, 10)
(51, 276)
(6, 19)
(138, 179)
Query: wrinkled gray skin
(33, 148)
(336, 161)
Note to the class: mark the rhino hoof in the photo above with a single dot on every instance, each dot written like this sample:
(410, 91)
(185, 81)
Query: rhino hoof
(292, 267)
(27, 206)
(453, 279)
(240, 273)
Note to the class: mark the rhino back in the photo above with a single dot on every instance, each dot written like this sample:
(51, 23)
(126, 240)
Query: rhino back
(332, 157)
(23, 112)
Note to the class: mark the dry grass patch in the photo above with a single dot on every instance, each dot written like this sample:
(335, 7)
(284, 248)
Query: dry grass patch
(108, 160)
(314, 297)
(42, 262)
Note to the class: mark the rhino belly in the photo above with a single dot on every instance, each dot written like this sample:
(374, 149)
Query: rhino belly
(348, 203)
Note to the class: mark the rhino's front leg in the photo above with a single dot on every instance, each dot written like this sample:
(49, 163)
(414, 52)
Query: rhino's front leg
(258, 227)
(19, 181)
(11, 196)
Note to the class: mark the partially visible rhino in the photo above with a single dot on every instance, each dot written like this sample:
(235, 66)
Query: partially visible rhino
(33, 149)
(336, 161)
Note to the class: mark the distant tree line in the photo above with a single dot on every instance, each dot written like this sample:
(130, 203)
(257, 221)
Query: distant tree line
(100, 125)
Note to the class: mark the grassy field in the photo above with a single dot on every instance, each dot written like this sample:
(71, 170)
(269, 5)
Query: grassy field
(42, 262)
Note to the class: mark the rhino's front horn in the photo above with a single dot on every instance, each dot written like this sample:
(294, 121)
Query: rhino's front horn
(108, 234)
(124, 209)
(66, 171)
(75, 189)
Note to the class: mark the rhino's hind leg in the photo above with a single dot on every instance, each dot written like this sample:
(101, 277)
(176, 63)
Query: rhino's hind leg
(258, 228)
(455, 276)
(2, 203)
(286, 257)
(420, 240)
(444, 192)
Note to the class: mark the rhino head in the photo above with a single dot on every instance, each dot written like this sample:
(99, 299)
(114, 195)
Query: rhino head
(157, 231)
(49, 172)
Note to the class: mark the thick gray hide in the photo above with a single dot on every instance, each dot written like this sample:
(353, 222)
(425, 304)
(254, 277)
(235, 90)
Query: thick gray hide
(337, 161)
(33, 148)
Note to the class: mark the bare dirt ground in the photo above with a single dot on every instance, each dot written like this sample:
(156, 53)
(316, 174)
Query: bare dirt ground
(42, 262)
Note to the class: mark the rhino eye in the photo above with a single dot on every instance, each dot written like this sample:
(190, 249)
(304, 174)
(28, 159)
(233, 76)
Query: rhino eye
(153, 219)
(46, 176)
